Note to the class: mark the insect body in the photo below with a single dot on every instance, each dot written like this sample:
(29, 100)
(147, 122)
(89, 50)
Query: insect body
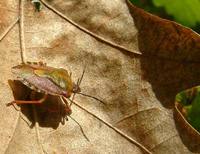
(47, 80)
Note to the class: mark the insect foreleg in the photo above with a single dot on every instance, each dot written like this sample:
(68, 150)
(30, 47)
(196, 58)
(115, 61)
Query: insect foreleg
(68, 108)
(64, 99)
(80, 128)
(71, 101)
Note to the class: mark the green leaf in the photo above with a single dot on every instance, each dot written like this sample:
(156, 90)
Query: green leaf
(186, 12)
(190, 99)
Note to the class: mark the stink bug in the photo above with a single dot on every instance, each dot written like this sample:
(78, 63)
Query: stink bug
(48, 80)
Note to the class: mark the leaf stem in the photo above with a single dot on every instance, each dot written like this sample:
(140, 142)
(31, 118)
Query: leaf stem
(21, 30)
(88, 31)
(115, 129)
(12, 25)
(13, 133)
(37, 129)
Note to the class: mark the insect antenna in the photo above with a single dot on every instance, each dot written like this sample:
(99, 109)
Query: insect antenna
(79, 81)
(73, 96)
(92, 97)
(78, 84)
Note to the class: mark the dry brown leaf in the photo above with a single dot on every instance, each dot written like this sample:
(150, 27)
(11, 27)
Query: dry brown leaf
(185, 125)
(136, 63)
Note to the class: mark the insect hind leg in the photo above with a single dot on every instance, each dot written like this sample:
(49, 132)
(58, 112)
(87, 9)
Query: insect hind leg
(28, 102)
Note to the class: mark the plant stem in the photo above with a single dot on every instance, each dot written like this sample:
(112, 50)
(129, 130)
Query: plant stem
(21, 30)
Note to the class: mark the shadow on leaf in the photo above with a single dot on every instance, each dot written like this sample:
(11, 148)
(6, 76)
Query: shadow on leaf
(48, 114)
(170, 55)
(169, 61)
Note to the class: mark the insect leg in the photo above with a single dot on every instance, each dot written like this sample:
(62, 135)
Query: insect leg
(80, 128)
(82, 131)
(68, 108)
(28, 102)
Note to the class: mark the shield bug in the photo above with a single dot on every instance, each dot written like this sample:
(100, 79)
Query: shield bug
(44, 79)
(50, 81)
